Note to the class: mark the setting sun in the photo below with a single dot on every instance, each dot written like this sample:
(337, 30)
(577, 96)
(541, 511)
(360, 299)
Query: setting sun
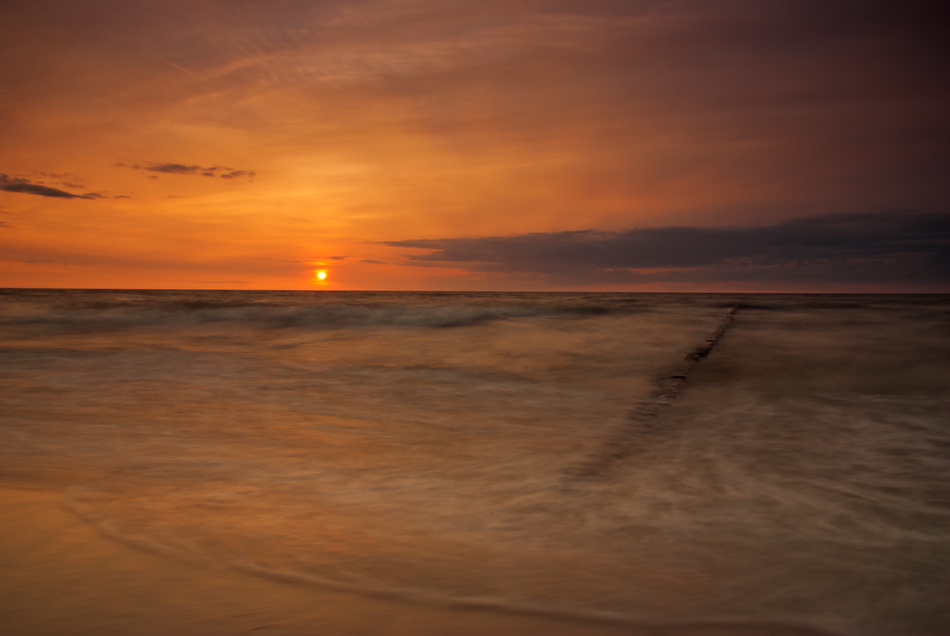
(321, 275)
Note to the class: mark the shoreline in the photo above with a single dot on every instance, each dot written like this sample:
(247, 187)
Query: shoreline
(62, 576)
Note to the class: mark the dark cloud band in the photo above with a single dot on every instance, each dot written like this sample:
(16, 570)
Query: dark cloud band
(893, 246)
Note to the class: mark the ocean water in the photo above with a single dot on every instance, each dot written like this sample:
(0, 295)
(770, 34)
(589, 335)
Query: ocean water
(560, 453)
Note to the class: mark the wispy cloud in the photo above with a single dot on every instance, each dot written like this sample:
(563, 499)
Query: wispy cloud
(26, 186)
(186, 169)
(173, 168)
(911, 246)
(234, 174)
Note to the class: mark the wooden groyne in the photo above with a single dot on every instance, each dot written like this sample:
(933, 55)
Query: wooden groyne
(643, 417)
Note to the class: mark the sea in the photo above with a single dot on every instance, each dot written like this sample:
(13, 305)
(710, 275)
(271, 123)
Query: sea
(656, 459)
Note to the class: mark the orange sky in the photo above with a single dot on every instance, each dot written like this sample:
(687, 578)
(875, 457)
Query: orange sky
(343, 125)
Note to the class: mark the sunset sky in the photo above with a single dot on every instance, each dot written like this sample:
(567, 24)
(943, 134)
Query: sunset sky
(691, 145)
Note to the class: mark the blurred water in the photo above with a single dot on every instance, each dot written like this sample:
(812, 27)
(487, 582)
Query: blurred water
(420, 443)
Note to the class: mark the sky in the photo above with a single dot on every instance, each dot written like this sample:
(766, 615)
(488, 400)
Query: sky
(635, 145)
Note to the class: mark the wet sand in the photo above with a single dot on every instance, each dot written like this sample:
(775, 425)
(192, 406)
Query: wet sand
(60, 575)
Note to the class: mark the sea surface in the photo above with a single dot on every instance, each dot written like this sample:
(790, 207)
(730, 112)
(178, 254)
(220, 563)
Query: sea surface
(515, 450)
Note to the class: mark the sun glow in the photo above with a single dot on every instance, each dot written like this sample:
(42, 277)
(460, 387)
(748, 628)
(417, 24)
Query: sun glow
(319, 275)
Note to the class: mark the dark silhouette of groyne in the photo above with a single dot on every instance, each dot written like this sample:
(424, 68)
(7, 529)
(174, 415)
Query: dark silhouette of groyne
(643, 419)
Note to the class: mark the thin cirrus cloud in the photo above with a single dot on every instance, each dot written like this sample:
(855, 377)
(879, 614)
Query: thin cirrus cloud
(894, 246)
(26, 186)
